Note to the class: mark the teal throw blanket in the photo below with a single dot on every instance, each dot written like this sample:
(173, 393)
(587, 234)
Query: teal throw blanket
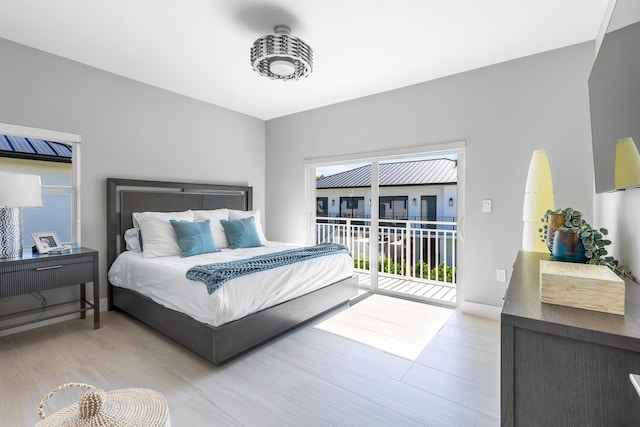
(214, 275)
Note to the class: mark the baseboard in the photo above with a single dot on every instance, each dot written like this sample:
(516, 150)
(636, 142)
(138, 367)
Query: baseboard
(481, 310)
(362, 295)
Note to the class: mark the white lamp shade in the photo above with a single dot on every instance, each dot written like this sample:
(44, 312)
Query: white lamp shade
(19, 190)
(627, 172)
(536, 205)
(539, 176)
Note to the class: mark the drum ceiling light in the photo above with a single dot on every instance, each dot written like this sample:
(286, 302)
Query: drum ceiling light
(280, 56)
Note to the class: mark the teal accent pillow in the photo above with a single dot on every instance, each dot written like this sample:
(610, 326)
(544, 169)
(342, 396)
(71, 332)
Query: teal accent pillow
(241, 233)
(194, 237)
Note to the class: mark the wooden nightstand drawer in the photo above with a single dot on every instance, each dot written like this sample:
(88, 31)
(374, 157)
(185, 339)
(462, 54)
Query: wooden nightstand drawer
(43, 274)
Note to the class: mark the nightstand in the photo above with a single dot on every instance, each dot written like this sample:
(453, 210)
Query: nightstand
(35, 273)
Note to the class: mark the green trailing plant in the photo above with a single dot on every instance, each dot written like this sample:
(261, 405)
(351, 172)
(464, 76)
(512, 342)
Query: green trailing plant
(593, 240)
(594, 244)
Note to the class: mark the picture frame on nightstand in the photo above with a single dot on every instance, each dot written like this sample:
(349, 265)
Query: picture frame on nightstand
(46, 241)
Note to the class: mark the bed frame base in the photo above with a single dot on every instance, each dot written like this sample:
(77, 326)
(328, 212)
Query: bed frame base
(223, 343)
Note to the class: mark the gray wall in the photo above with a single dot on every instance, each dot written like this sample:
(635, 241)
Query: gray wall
(503, 112)
(129, 130)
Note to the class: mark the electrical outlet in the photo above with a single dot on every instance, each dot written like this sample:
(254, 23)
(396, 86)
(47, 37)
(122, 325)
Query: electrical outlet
(486, 205)
(501, 275)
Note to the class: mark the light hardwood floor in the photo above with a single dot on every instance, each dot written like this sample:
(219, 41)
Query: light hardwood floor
(308, 377)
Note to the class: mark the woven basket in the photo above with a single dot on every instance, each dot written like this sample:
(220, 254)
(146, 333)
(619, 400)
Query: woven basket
(129, 407)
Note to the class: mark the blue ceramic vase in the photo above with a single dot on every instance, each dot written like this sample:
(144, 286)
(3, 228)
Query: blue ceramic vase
(568, 247)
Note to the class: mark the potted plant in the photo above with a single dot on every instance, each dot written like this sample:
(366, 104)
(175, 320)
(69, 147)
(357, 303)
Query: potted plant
(566, 219)
(592, 239)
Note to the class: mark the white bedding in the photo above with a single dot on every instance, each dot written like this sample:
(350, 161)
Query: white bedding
(163, 280)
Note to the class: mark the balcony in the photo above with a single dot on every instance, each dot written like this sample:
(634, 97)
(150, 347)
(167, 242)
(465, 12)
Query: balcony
(416, 258)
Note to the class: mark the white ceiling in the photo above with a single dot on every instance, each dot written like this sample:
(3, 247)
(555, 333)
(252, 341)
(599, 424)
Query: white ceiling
(200, 48)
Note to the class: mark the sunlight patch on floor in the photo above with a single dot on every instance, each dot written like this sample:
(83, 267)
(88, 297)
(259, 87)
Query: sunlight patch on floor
(396, 326)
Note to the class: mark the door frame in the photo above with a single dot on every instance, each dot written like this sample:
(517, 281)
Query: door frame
(458, 148)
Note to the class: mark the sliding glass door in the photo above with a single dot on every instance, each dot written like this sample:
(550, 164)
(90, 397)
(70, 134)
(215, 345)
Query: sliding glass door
(399, 219)
(343, 214)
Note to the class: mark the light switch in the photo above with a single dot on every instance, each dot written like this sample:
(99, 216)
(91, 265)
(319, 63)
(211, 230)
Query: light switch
(486, 205)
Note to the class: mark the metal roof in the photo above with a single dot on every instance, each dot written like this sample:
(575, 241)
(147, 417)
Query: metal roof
(417, 172)
(34, 149)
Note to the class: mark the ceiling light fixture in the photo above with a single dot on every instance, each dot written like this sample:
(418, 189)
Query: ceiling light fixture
(280, 56)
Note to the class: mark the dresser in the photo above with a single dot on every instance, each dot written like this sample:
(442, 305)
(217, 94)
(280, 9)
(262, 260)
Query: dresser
(36, 273)
(563, 366)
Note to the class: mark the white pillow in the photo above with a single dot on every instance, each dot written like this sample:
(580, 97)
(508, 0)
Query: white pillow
(217, 231)
(158, 237)
(132, 239)
(236, 214)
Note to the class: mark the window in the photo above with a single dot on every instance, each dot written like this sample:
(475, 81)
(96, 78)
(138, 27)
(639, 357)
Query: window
(428, 206)
(393, 207)
(352, 207)
(55, 160)
(323, 206)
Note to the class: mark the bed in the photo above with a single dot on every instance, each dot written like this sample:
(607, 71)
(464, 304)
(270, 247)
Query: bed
(218, 340)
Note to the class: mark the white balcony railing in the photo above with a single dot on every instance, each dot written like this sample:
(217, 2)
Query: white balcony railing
(415, 250)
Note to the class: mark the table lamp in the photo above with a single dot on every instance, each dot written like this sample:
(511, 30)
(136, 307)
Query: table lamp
(17, 190)
(538, 198)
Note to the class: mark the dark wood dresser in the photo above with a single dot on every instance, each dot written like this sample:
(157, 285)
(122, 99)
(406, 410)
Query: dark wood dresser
(563, 366)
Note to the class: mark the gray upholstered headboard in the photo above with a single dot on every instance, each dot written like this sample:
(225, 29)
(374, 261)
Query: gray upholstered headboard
(125, 196)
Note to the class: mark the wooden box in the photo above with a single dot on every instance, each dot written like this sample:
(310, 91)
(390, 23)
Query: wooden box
(591, 287)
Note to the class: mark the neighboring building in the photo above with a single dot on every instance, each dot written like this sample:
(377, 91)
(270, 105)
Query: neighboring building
(414, 190)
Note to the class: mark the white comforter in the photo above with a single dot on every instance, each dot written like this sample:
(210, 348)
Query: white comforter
(163, 280)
